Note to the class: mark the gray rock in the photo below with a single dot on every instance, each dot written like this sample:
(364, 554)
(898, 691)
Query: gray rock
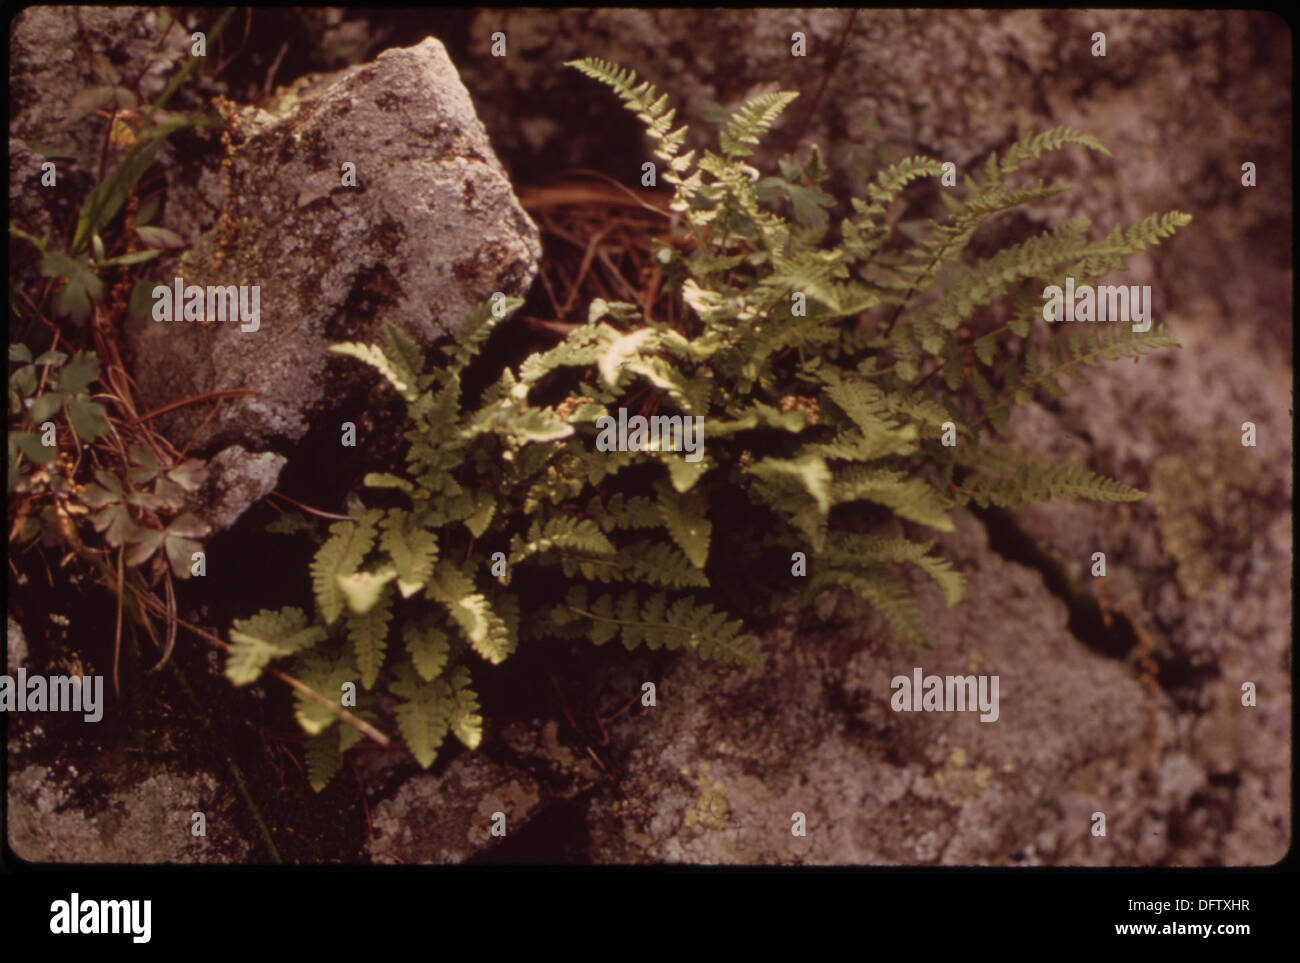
(953, 84)
(25, 202)
(718, 769)
(49, 66)
(1201, 562)
(448, 818)
(431, 230)
(15, 645)
(236, 479)
(147, 822)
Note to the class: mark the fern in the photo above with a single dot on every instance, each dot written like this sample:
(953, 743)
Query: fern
(266, 636)
(848, 386)
(341, 556)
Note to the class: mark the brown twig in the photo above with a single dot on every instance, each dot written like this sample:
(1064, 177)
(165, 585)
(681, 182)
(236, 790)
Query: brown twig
(207, 396)
(308, 508)
(284, 677)
(826, 76)
(117, 631)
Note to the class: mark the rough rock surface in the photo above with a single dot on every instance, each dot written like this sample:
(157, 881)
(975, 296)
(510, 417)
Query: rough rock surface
(718, 769)
(236, 479)
(49, 66)
(431, 230)
(60, 807)
(1202, 563)
(1181, 98)
(448, 819)
(148, 822)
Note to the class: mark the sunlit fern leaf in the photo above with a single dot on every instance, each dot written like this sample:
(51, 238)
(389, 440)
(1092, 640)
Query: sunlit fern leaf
(270, 634)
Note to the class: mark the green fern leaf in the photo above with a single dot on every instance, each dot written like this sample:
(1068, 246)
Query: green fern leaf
(368, 633)
(423, 715)
(412, 549)
(340, 556)
(750, 120)
(326, 676)
(267, 635)
(375, 357)
(429, 647)
(685, 519)
(487, 633)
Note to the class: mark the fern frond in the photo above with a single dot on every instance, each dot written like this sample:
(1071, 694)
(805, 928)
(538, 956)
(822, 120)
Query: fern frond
(268, 635)
(487, 633)
(1034, 146)
(423, 715)
(847, 550)
(325, 675)
(885, 594)
(698, 627)
(576, 535)
(341, 555)
(750, 121)
(375, 357)
(685, 518)
(368, 633)
(649, 105)
(428, 646)
(911, 498)
(1003, 478)
(412, 548)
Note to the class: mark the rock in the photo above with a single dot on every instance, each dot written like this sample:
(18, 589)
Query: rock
(954, 84)
(1200, 562)
(431, 231)
(25, 202)
(236, 479)
(448, 818)
(15, 645)
(717, 770)
(49, 66)
(148, 822)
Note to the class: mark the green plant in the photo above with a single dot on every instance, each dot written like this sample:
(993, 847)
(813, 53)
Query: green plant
(844, 394)
(40, 389)
(74, 264)
(131, 515)
(86, 473)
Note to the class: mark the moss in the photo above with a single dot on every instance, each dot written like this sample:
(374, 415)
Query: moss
(710, 809)
(1204, 507)
(959, 784)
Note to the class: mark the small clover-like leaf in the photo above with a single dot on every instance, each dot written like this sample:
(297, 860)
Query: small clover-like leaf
(145, 467)
(29, 443)
(115, 522)
(188, 474)
(168, 495)
(88, 419)
(79, 373)
(46, 406)
(143, 543)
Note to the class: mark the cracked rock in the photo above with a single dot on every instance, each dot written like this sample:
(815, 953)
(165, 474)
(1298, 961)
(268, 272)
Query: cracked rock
(431, 230)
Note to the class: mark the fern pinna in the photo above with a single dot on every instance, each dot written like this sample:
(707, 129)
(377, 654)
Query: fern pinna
(843, 392)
